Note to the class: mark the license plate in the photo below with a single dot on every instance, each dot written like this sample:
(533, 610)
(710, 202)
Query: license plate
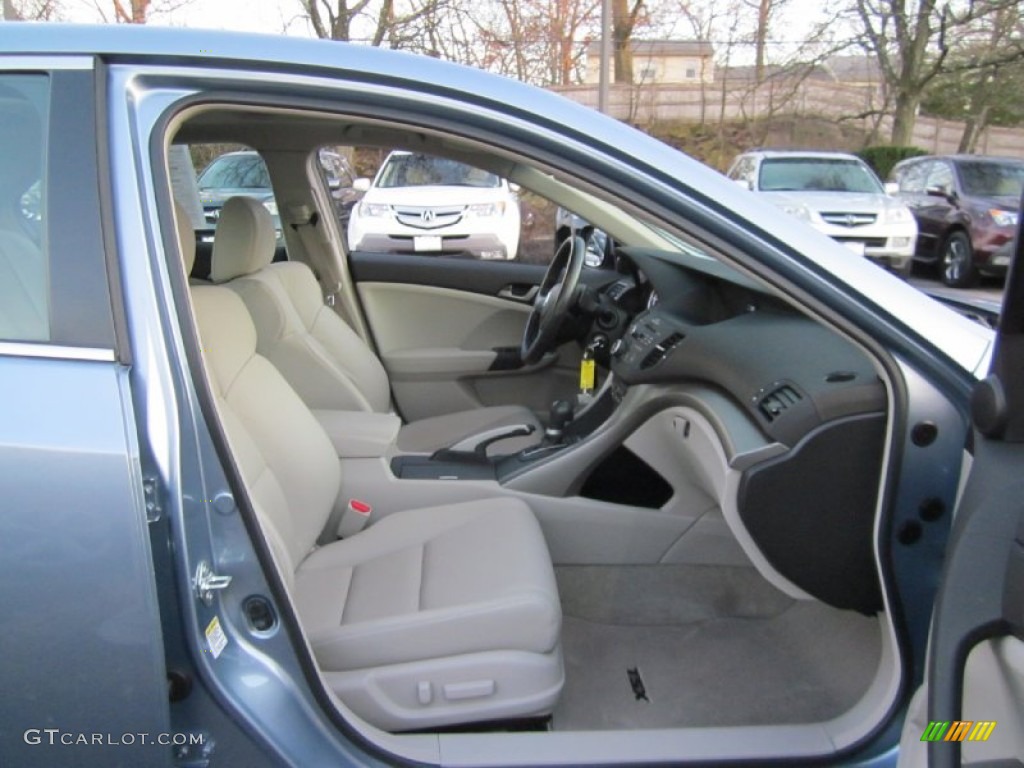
(426, 243)
(856, 247)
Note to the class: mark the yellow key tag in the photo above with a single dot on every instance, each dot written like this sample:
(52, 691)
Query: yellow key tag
(587, 375)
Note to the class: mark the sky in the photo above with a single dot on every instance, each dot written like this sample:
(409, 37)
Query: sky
(239, 15)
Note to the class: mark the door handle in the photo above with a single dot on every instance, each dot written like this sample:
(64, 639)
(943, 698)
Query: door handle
(523, 293)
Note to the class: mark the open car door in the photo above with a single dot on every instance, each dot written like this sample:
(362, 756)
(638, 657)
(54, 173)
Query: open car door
(971, 711)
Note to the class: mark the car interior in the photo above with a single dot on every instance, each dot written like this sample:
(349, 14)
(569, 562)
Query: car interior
(685, 548)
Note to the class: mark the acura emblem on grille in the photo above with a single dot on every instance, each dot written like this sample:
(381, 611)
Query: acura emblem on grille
(850, 220)
(427, 215)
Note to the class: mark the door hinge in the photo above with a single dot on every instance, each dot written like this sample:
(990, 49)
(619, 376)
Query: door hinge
(197, 750)
(206, 582)
(151, 498)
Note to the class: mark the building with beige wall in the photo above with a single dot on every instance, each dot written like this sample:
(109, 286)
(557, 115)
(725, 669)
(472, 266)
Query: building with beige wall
(658, 62)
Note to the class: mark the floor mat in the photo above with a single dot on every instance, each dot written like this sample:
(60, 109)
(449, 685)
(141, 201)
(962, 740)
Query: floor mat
(778, 662)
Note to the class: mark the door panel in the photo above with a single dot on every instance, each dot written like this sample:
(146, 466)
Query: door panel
(82, 633)
(439, 322)
(439, 346)
(975, 669)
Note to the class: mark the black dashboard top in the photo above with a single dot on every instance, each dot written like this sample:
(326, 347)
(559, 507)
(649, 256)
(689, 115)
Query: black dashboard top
(790, 373)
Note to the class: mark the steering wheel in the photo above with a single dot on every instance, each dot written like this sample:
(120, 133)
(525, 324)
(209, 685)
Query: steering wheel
(554, 299)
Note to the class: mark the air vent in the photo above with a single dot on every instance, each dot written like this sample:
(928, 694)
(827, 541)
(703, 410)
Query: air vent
(778, 401)
(660, 350)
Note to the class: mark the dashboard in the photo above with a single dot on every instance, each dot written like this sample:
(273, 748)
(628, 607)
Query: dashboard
(809, 507)
(789, 373)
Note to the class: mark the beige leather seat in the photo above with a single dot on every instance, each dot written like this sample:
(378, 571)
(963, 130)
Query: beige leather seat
(327, 363)
(428, 617)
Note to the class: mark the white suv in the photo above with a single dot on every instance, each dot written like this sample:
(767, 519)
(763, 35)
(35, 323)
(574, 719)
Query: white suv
(424, 204)
(837, 194)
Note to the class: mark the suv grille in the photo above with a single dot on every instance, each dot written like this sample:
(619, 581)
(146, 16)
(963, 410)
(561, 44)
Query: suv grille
(428, 217)
(843, 219)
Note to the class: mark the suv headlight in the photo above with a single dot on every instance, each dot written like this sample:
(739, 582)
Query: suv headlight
(486, 209)
(1003, 218)
(897, 215)
(374, 209)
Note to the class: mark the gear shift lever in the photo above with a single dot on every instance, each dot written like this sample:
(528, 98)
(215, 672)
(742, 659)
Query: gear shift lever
(560, 418)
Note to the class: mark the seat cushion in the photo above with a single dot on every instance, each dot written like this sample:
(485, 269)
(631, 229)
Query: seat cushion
(429, 435)
(431, 583)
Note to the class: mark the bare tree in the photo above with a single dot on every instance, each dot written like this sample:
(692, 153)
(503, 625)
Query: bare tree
(32, 10)
(134, 13)
(911, 40)
(987, 84)
(333, 21)
(398, 25)
(537, 41)
(625, 18)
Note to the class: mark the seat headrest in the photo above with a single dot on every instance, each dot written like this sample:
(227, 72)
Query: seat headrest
(186, 236)
(244, 241)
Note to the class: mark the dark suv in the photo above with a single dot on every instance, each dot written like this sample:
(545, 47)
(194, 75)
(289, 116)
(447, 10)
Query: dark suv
(965, 207)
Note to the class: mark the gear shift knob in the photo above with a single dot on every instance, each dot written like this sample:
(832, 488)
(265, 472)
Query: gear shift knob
(560, 417)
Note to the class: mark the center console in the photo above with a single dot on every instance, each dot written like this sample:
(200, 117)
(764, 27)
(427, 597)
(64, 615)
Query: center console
(564, 430)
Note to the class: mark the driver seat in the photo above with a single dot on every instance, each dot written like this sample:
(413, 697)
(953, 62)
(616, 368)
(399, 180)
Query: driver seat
(324, 360)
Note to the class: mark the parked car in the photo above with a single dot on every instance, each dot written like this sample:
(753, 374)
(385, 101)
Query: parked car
(735, 545)
(245, 173)
(837, 194)
(966, 211)
(233, 174)
(419, 203)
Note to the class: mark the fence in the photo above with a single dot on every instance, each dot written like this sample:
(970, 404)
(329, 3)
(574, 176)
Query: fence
(856, 104)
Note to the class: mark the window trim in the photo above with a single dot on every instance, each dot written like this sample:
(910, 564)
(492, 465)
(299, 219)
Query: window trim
(55, 351)
(78, 329)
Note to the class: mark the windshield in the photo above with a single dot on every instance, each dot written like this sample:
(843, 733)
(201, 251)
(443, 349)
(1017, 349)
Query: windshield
(426, 171)
(815, 174)
(236, 172)
(992, 179)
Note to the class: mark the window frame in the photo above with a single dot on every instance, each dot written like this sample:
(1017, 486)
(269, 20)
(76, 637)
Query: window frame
(84, 321)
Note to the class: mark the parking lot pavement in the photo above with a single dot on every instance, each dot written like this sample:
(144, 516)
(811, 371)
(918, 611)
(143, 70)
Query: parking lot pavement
(989, 289)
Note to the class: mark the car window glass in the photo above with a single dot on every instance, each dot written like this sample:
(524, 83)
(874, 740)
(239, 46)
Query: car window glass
(242, 170)
(24, 285)
(419, 204)
(988, 179)
(940, 177)
(912, 178)
(744, 170)
(791, 174)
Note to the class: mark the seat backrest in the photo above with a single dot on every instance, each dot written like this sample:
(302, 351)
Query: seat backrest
(286, 459)
(327, 363)
(186, 237)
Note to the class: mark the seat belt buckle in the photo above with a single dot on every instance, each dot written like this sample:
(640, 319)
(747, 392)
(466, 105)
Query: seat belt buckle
(355, 517)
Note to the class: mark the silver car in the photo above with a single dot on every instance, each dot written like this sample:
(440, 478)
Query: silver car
(838, 194)
(724, 496)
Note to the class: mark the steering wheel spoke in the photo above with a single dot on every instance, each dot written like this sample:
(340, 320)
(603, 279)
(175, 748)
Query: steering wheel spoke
(554, 300)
